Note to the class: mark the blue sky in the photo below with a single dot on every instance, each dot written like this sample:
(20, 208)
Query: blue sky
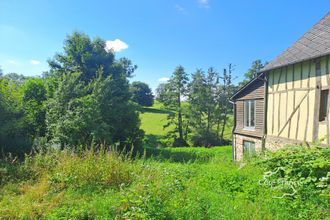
(159, 35)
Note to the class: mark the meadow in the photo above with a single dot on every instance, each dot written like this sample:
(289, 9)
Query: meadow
(165, 183)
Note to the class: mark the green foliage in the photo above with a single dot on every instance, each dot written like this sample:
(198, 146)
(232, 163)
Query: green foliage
(142, 94)
(170, 183)
(174, 91)
(34, 97)
(14, 137)
(204, 115)
(295, 169)
(255, 68)
(81, 54)
(83, 99)
(92, 101)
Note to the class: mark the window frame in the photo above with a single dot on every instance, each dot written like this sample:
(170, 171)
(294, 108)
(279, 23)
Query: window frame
(326, 112)
(247, 114)
(247, 150)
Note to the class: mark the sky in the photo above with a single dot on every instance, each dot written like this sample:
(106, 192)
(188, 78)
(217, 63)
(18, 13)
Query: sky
(157, 35)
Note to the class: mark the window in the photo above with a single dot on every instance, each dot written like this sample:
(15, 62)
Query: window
(249, 148)
(249, 114)
(323, 113)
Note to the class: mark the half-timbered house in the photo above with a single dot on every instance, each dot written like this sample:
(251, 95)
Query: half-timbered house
(288, 101)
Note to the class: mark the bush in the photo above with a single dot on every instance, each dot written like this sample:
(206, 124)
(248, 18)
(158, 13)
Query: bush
(178, 142)
(206, 139)
(299, 174)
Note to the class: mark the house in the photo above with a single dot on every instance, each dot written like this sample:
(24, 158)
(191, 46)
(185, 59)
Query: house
(288, 101)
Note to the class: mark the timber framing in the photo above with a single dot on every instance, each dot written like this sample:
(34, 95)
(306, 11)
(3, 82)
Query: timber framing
(291, 102)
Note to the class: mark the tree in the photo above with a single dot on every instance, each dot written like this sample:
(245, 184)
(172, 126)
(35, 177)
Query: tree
(174, 91)
(34, 97)
(91, 103)
(85, 56)
(160, 92)
(142, 94)
(256, 66)
(197, 100)
(202, 100)
(16, 78)
(1, 72)
(14, 136)
(224, 91)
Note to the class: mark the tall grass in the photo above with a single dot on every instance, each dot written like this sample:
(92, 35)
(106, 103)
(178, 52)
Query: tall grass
(180, 183)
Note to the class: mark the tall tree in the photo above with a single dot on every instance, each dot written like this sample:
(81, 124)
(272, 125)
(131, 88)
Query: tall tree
(175, 91)
(211, 86)
(224, 92)
(197, 100)
(81, 54)
(161, 92)
(92, 99)
(142, 94)
(256, 66)
(202, 100)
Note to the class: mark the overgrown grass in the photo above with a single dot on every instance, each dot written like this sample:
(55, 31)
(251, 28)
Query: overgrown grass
(180, 183)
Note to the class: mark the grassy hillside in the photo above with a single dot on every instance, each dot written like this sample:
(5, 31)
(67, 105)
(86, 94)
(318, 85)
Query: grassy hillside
(154, 118)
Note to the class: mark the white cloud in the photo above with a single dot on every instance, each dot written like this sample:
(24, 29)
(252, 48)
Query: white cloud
(179, 8)
(115, 45)
(35, 62)
(163, 79)
(204, 3)
(13, 62)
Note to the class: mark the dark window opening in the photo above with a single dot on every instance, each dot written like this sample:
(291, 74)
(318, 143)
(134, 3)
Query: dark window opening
(323, 113)
(318, 68)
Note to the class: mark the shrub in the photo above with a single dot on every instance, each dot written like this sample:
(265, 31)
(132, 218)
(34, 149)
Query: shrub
(300, 175)
(206, 139)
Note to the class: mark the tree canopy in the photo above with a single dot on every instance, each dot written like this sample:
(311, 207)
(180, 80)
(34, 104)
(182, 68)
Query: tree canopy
(83, 100)
(142, 94)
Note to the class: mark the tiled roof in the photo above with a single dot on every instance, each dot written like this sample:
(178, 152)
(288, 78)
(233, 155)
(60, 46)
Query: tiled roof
(314, 43)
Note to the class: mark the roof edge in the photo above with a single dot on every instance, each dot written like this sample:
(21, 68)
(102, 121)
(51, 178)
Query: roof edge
(288, 64)
(245, 86)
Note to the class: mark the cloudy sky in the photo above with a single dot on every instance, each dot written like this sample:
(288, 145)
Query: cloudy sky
(157, 35)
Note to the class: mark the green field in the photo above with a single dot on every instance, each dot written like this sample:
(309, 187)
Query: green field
(163, 183)
(154, 118)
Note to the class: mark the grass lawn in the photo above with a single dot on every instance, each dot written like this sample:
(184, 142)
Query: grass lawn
(153, 120)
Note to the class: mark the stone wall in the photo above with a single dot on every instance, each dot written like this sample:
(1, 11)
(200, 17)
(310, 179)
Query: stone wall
(238, 145)
(275, 143)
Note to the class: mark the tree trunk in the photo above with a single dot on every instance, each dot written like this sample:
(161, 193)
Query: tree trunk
(208, 120)
(180, 119)
(223, 125)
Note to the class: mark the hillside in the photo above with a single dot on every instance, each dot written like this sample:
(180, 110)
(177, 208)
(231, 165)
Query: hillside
(154, 118)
